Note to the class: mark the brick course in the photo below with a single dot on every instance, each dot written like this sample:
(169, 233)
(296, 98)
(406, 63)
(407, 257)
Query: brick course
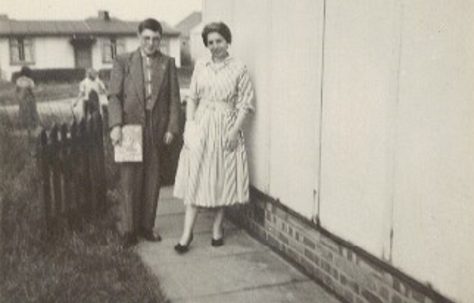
(349, 272)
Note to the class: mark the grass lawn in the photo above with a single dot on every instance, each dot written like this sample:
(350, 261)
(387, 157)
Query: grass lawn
(86, 265)
(58, 91)
(43, 92)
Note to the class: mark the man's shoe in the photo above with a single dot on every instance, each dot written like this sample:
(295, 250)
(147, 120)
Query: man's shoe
(151, 236)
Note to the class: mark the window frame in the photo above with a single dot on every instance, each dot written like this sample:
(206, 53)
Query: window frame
(111, 47)
(23, 45)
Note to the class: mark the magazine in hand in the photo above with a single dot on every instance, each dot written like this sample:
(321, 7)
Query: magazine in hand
(131, 147)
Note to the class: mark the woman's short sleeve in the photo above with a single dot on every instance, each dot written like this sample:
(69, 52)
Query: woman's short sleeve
(245, 93)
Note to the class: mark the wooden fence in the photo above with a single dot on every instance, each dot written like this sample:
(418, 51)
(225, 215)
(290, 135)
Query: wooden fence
(72, 165)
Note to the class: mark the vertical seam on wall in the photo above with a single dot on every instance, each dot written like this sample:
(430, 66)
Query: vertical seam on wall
(317, 211)
(269, 147)
(395, 128)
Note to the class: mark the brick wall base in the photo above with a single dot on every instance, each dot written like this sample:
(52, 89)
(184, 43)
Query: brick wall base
(348, 271)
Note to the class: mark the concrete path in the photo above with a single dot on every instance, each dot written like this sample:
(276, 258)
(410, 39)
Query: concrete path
(243, 270)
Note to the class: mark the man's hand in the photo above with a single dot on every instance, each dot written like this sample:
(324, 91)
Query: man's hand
(168, 138)
(116, 135)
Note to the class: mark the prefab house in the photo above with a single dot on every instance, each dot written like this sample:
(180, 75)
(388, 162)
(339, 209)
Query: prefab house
(361, 147)
(93, 42)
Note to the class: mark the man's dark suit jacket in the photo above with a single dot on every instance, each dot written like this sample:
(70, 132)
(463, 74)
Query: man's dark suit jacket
(127, 94)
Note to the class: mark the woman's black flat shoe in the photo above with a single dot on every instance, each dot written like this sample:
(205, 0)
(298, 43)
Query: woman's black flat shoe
(218, 242)
(181, 249)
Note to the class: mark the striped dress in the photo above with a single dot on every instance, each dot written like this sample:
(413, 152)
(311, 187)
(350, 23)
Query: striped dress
(209, 175)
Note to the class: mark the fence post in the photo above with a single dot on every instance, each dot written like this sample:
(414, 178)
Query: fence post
(102, 184)
(66, 173)
(56, 173)
(44, 158)
(85, 169)
(74, 166)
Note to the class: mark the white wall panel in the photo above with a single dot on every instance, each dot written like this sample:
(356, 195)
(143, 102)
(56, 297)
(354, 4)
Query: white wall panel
(360, 95)
(53, 52)
(5, 68)
(296, 39)
(434, 193)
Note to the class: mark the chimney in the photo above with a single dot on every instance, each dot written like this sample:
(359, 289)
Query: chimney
(104, 15)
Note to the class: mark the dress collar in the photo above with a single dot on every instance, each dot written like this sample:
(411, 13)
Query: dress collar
(209, 61)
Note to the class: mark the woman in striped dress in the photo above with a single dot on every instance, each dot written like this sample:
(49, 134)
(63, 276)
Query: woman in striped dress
(212, 169)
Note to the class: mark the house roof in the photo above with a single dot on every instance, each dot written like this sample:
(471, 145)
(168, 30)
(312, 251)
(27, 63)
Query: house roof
(188, 23)
(90, 26)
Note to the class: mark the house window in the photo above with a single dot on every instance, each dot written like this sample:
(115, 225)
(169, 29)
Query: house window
(165, 46)
(21, 51)
(111, 48)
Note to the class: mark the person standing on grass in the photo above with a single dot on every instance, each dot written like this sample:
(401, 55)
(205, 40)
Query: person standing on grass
(144, 91)
(28, 113)
(84, 103)
(212, 168)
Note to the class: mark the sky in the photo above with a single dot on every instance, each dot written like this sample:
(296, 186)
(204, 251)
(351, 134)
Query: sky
(171, 11)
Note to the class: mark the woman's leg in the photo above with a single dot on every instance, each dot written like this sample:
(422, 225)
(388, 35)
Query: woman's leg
(189, 219)
(217, 232)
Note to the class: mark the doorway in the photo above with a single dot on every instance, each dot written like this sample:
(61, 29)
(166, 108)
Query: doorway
(83, 55)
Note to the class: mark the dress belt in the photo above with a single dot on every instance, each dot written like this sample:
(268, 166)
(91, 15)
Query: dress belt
(216, 105)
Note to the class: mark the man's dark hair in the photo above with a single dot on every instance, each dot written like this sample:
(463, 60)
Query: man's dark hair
(151, 24)
(216, 27)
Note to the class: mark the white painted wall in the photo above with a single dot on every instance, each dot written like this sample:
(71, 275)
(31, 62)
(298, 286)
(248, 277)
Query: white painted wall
(283, 137)
(197, 48)
(131, 44)
(57, 52)
(434, 177)
(97, 55)
(5, 70)
(174, 50)
(397, 139)
(49, 52)
(53, 52)
(359, 106)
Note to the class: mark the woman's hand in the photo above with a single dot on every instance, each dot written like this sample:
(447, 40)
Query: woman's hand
(188, 133)
(231, 139)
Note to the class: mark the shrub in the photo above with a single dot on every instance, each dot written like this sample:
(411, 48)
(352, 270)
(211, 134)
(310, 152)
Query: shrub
(55, 75)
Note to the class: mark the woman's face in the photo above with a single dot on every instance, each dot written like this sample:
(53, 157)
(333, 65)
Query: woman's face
(217, 45)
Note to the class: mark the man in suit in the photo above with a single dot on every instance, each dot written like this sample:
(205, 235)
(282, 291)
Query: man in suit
(143, 90)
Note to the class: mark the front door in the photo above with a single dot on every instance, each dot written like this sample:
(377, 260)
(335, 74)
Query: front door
(83, 55)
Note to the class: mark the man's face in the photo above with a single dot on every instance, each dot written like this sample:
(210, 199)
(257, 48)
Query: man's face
(149, 41)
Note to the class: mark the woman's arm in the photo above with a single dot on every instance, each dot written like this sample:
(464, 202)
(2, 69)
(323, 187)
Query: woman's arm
(244, 105)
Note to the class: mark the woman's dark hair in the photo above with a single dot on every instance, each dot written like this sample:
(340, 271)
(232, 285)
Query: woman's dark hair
(25, 71)
(216, 27)
(151, 24)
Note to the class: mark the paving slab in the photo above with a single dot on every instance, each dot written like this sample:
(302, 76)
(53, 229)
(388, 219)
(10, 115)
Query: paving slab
(193, 277)
(302, 291)
(171, 226)
(243, 270)
(236, 242)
